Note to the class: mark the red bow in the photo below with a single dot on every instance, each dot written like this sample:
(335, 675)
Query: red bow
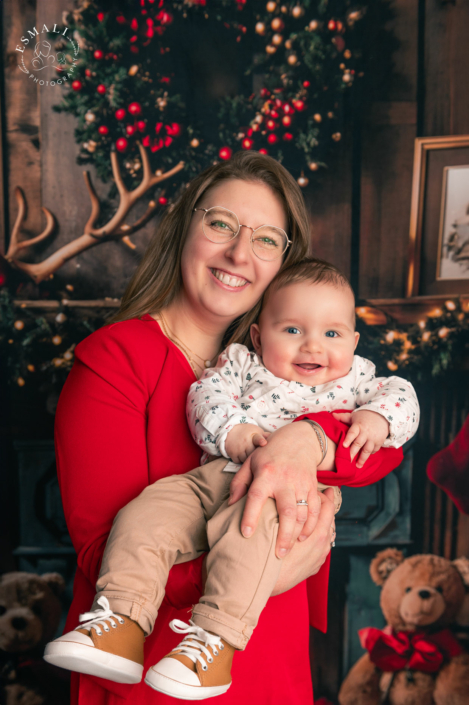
(417, 651)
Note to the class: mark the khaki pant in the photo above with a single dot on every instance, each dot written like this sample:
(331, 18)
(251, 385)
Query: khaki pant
(176, 520)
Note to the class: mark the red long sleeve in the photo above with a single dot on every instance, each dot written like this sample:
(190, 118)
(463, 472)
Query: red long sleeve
(105, 456)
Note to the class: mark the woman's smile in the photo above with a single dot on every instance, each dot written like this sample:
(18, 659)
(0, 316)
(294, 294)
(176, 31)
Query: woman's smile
(228, 280)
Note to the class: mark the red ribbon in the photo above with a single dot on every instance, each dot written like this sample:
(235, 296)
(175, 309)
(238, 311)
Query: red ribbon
(417, 651)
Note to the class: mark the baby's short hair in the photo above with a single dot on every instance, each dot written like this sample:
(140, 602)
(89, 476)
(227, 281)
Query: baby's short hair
(310, 269)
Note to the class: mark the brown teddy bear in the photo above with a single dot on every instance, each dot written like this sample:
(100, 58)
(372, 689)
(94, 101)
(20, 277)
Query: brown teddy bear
(30, 612)
(416, 659)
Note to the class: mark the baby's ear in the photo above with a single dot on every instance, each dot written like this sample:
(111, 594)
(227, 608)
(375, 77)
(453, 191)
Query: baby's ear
(357, 338)
(256, 338)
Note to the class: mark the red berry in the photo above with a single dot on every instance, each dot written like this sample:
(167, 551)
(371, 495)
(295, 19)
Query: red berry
(100, 16)
(288, 136)
(101, 89)
(225, 153)
(103, 130)
(98, 54)
(162, 200)
(121, 144)
(274, 114)
(331, 25)
(174, 129)
(120, 114)
(77, 85)
(306, 84)
(88, 73)
(272, 139)
(247, 143)
(263, 151)
(135, 108)
(299, 104)
(141, 125)
(131, 130)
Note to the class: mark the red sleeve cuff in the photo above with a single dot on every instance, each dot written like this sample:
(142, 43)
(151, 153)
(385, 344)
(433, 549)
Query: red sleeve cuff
(346, 472)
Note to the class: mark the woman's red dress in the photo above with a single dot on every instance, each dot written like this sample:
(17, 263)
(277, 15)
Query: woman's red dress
(121, 425)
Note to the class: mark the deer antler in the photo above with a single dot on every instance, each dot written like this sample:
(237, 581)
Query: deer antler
(113, 230)
(15, 245)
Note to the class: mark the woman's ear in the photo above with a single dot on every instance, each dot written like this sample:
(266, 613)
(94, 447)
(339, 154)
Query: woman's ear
(357, 338)
(256, 338)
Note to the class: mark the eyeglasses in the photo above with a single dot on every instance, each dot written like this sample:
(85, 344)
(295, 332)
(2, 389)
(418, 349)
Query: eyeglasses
(221, 225)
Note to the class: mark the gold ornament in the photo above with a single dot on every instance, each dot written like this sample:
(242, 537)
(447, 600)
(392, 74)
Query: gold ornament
(270, 49)
(341, 67)
(19, 325)
(302, 180)
(158, 172)
(317, 117)
(137, 164)
(21, 382)
(260, 28)
(347, 78)
(11, 341)
(61, 317)
(297, 11)
(277, 24)
(347, 54)
(292, 59)
(450, 305)
(90, 117)
(68, 355)
(422, 324)
(391, 365)
(69, 287)
(271, 6)
(195, 142)
(133, 70)
(314, 166)
(56, 339)
(390, 336)
(436, 313)
(336, 136)
(277, 39)
(426, 336)
(161, 103)
(284, 9)
(91, 146)
(443, 332)
(330, 115)
(313, 25)
(31, 368)
(57, 361)
(259, 118)
(288, 44)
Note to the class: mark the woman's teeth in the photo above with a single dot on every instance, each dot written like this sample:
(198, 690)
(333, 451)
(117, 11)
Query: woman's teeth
(227, 278)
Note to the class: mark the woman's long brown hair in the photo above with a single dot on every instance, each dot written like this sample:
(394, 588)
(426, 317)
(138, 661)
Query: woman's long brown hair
(157, 280)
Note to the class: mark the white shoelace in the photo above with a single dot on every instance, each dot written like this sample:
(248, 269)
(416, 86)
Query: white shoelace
(195, 650)
(100, 618)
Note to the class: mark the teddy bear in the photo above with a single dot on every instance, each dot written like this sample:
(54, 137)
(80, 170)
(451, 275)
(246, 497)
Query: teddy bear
(416, 659)
(30, 612)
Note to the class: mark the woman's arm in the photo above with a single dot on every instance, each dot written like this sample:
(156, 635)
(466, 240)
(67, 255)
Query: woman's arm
(101, 444)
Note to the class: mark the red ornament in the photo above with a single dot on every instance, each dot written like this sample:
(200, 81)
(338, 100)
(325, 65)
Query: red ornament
(332, 25)
(77, 85)
(98, 54)
(101, 89)
(120, 114)
(263, 151)
(271, 124)
(288, 109)
(134, 49)
(288, 136)
(162, 200)
(306, 84)
(299, 104)
(141, 125)
(264, 92)
(88, 73)
(278, 103)
(174, 129)
(274, 114)
(167, 141)
(164, 17)
(131, 130)
(134, 24)
(100, 16)
(121, 19)
(286, 120)
(135, 108)
(272, 139)
(121, 144)
(247, 143)
(146, 141)
(225, 153)
(103, 130)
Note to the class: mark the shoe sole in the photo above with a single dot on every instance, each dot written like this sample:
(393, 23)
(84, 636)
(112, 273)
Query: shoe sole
(181, 691)
(93, 662)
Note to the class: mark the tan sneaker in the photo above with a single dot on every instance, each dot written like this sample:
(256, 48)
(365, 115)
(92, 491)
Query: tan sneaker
(198, 668)
(107, 645)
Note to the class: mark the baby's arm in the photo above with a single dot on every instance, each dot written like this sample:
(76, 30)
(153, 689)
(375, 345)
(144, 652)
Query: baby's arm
(212, 407)
(388, 412)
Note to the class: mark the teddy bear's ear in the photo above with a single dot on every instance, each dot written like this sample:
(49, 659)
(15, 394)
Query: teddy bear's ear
(462, 566)
(384, 563)
(55, 582)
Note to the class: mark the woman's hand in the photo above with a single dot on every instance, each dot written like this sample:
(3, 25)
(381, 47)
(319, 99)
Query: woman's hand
(308, 556)
(284, 469)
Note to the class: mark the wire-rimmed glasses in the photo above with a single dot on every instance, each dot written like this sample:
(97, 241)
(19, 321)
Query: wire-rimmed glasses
(222, 225)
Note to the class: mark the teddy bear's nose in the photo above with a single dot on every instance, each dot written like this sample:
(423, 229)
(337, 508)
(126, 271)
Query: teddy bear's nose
(424, 594)
(19, 623)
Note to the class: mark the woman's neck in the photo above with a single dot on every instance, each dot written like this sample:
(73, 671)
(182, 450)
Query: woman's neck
(201, 336)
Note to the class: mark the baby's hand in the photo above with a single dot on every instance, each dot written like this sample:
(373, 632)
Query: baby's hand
(368, 432)
(243, 439)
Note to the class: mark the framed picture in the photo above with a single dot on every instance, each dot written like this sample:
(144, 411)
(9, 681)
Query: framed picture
(439, 220)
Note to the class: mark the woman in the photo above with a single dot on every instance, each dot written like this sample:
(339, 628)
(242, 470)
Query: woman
(121, 425)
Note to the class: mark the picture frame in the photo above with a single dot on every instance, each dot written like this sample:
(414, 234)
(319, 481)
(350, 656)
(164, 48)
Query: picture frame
(439, 219)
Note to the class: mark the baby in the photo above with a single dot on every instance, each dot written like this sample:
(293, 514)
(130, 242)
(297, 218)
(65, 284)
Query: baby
(303, 362)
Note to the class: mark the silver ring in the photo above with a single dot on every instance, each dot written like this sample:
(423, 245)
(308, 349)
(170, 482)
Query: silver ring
(302, 503)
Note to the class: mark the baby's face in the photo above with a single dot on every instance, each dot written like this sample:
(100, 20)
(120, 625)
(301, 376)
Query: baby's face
(306, 333)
